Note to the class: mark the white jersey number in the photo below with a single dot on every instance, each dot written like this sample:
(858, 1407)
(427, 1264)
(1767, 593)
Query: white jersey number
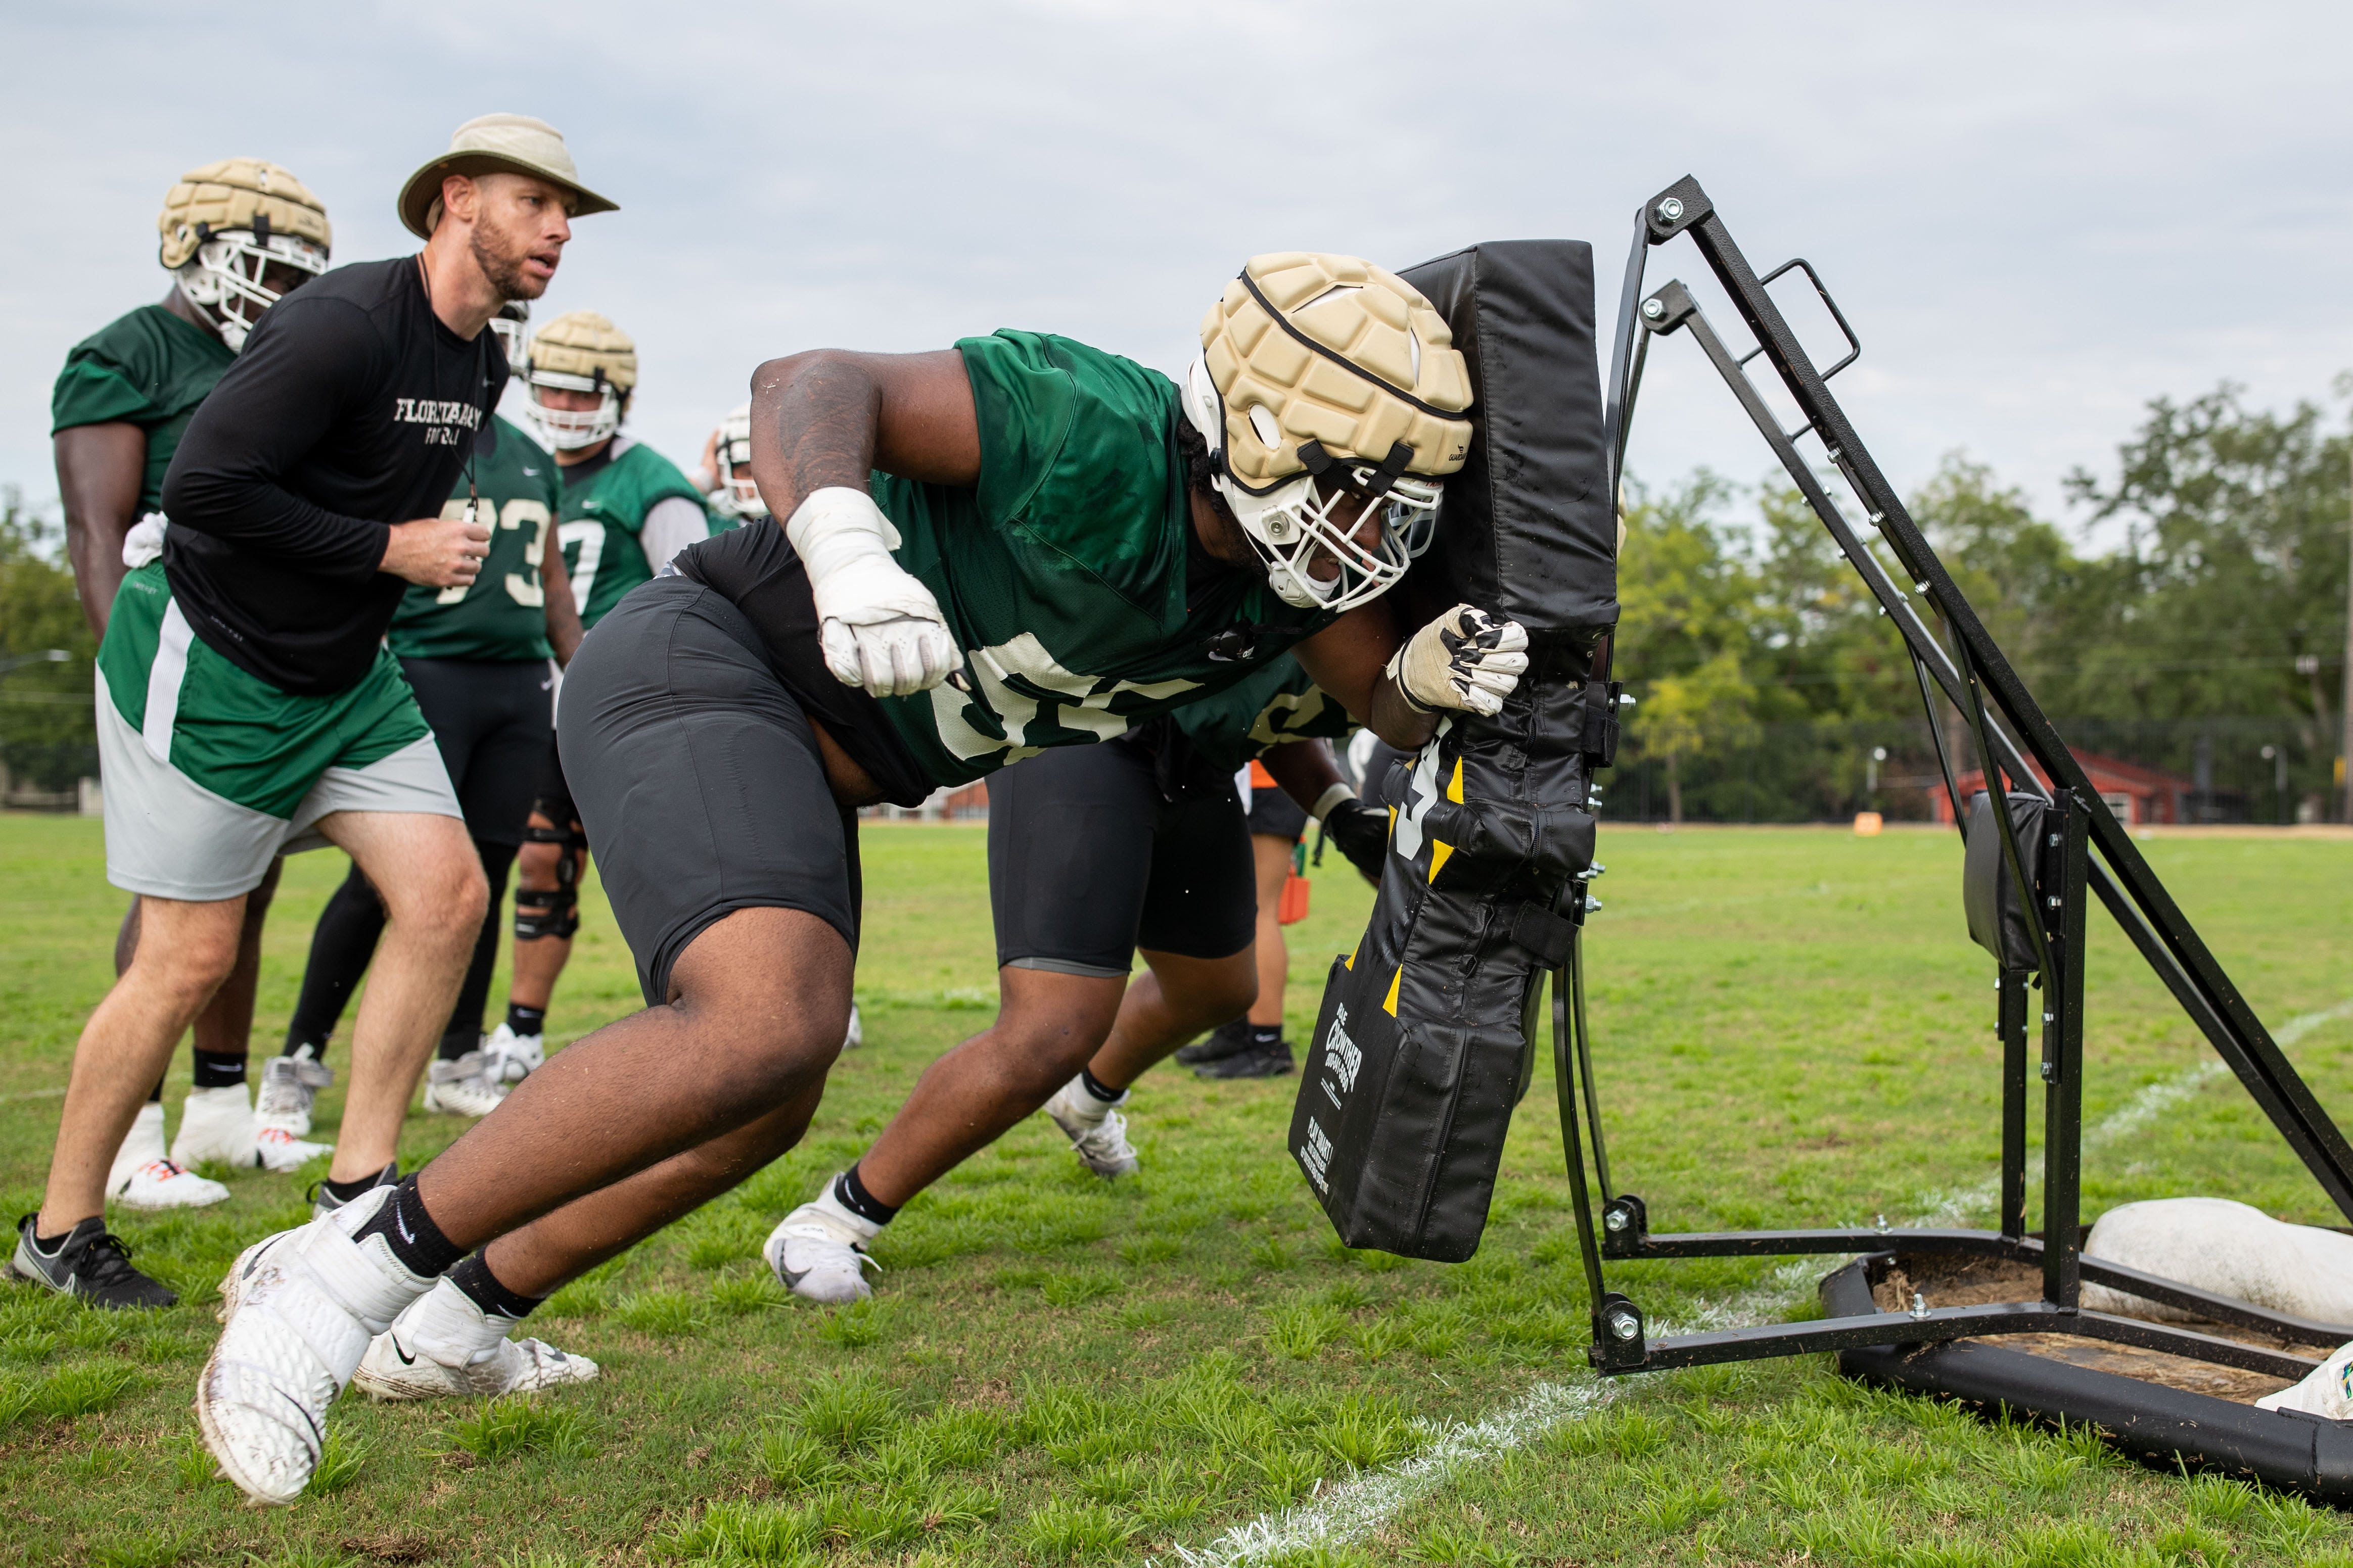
(521, 586)
(590, 538)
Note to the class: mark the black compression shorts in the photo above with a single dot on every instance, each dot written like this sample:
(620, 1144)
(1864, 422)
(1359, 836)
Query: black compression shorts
(492, 724)
(1274, 813)
(698, 777)
(1087, 862)
(551, 797)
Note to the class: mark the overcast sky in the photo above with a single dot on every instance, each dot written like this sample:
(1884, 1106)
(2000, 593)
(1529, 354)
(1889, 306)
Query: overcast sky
(2036, 216)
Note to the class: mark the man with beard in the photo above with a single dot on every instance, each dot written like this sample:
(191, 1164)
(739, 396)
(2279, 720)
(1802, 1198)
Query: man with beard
(247, 704)
(1018, 543)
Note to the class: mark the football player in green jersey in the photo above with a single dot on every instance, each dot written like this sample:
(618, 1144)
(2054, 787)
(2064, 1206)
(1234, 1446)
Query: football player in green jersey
(1097, 855)
(236, 235)
(1081, 544)
(476, 657)
(625, 511)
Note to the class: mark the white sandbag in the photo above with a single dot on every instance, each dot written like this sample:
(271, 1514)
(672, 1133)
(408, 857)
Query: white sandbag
(2228, 1249)
(2326, 1390)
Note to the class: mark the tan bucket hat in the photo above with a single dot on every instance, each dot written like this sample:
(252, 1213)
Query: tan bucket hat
(510, 143)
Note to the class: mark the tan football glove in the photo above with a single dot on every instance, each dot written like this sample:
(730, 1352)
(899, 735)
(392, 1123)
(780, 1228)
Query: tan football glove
(1466, 659)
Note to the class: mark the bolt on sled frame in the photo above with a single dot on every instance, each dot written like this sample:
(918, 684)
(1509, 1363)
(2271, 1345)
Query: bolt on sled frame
(2033, 873)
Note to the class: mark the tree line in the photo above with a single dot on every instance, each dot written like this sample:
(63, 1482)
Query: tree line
(2205, 624)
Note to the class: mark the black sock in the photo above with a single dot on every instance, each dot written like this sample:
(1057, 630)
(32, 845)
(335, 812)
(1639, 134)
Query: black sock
(411, 1234)
(523, 1020)
(297, 1045)
(157, 1097)
(1097, 1087)
(344, 1191)
(1266, 1036)
(342, 943)
(481, 1287)
(465, 1031)
(216, 1072)
(851, 1194)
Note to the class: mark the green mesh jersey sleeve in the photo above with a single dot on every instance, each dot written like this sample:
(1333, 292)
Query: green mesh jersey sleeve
(149, 369)
(1276, 703)
(601, 520)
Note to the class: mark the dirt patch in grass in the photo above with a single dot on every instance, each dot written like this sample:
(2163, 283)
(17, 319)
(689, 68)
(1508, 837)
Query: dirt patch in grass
(1975, 1281)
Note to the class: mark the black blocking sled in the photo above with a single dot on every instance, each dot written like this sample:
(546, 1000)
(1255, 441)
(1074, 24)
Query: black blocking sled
(1427, 1031)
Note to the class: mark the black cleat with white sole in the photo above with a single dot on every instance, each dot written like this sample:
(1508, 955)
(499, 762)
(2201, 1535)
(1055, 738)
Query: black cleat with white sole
(92, 1263)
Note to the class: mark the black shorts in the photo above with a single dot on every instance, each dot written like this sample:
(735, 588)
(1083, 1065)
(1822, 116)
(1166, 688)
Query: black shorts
(1087, 862)
(493, 725)
(1273, 812)
(698, 777)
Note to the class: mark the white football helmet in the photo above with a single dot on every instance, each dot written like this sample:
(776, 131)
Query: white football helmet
(580, 350)
(1318, 366)
(512, 325)
(226, 226)
(734, 492)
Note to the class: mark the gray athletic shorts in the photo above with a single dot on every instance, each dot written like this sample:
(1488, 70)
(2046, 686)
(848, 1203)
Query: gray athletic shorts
(698, 777)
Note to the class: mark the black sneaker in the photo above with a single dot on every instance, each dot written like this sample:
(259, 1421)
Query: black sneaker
(324, 1200)
(1226, 1040)
(1252, 1061)
(91, 1262)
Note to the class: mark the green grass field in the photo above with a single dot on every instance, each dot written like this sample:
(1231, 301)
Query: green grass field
(1792, 1027)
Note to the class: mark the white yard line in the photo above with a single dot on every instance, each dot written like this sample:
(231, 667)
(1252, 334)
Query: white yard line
(1359, 1507)
(34, 1094)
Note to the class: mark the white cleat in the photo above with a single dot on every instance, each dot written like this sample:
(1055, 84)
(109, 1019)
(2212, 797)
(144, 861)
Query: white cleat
(289, 1087)
(445, 1347)
(219, 1125)
(462, 1088)
(237, 1283)
(857, 1036)
(819, 1253)
(312, 1301)
(1098, 1133)
(141, 1178)
(509, 1057)
(161, 1184)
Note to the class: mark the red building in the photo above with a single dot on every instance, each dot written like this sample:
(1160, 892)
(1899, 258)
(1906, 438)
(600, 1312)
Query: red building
(2136, 794)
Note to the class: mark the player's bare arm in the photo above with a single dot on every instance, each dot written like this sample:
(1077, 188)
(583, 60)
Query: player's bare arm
(564, 632)
(831, 415)
(99, 472)
(1348, 659)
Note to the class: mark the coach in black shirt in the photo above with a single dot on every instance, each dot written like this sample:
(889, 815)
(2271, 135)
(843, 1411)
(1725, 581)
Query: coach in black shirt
(247, 705)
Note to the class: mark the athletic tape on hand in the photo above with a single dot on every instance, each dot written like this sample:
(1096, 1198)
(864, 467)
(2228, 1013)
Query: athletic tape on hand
(1466, 659)
(877, 625)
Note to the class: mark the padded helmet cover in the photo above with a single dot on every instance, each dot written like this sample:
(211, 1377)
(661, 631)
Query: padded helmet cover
(582, 343)
(1339, 352)
(233, 194)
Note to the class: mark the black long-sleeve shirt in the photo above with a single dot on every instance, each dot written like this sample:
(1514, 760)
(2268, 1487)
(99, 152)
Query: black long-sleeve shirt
(352, 408)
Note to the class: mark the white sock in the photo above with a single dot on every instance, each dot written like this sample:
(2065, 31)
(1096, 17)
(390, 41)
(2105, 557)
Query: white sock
(366, 1277)
(143, 1143)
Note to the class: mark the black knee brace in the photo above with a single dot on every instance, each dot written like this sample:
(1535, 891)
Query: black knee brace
(552, 911)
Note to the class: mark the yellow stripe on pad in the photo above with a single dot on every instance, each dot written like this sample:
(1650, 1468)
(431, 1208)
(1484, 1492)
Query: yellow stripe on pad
(1438, 854)
(1351, 964)
(1454, 785)
(1390, 1005)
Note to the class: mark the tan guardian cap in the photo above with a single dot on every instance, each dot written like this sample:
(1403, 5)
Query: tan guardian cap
(250, 194)
(1307, 347)
(496, 144)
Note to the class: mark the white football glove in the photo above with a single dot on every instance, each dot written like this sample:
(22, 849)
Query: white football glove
(879, 627)
(1465, 658)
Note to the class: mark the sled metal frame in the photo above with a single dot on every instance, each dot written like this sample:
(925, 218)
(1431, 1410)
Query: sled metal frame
(2084, 851)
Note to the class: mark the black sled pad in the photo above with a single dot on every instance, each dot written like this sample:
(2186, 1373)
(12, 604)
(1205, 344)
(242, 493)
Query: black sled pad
(1528, 528)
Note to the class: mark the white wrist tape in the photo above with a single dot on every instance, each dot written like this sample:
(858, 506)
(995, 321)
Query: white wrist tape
(838, 527)
(1330, 798)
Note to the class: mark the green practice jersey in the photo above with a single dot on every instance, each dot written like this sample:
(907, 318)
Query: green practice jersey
(602, 517)
(500, 617)
(1276, 703)
(149, 369)
(1068, 575)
